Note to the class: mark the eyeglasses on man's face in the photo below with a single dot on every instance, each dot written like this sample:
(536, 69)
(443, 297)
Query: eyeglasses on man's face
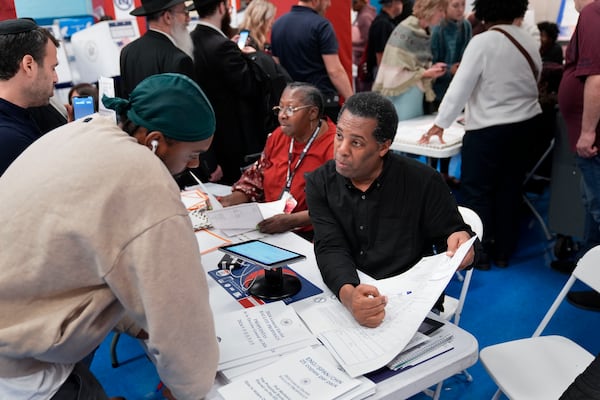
(288, 110)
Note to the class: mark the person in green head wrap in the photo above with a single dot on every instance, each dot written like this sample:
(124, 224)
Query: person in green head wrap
(93, 229)
(177, 127)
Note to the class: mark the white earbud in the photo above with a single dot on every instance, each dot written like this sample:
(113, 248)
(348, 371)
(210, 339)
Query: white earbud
(154, 144)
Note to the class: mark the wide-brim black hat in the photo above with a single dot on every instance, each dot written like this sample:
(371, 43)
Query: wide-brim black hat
(153, 6)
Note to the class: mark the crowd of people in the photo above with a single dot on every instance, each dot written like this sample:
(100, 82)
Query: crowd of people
(82, 262)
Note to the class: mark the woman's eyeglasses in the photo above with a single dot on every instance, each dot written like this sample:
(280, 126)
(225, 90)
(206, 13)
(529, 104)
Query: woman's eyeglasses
(288, 110)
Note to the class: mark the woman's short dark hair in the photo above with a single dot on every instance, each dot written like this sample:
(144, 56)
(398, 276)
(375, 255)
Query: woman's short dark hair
(550, 28)
(373, 105)
(312, 95)
(499, 10)
(84, 89)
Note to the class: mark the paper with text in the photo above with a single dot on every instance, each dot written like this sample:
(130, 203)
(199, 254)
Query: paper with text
(241, 216)
(411, 296)
(307, 374)
(244, 217)
(106, 86)
(251, 363)
(255, 330)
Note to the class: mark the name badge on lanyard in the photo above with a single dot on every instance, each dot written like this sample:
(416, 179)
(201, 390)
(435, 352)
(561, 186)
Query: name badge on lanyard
(290, 202)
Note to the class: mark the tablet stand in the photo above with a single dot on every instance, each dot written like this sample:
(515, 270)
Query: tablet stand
(275, 285)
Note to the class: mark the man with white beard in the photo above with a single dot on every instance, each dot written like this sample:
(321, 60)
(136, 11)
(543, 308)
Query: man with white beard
(165, 47)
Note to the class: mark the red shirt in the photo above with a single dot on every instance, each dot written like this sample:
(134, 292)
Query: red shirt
(582, 59)
(265, 179)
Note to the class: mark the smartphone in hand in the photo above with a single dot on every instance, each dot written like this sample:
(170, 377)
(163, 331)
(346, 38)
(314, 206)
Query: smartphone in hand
(83, 106)
(243, 38)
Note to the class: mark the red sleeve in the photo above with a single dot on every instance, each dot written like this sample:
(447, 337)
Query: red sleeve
(588, 44)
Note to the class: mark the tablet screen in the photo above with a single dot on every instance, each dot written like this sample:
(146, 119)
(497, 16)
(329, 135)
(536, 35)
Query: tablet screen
(262, 253)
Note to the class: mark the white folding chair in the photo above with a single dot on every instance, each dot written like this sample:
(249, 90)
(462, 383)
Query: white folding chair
(452, 306)
(542, 367)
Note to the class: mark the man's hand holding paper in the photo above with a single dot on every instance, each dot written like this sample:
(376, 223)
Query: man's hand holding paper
(455, 240)
(365, 303)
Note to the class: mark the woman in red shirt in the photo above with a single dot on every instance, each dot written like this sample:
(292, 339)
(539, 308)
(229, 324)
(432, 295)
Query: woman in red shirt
(302, 143)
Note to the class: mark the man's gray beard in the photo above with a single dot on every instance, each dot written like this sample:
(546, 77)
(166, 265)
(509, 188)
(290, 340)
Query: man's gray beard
(183, 40)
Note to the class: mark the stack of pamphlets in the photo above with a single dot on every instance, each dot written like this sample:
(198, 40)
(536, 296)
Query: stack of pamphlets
(257, 336)
(310, 373)
(422, 348)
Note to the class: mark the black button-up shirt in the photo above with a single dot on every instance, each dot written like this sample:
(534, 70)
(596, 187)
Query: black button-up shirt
(406, 213)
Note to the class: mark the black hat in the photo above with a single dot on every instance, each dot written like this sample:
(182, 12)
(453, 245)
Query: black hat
(20, 25)
(153, 6)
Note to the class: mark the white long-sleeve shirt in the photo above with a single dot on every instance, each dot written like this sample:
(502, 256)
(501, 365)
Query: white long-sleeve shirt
(495, 82)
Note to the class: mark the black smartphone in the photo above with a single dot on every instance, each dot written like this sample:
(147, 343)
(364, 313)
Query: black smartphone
(428, 326)
(83, 106)
(243, 38)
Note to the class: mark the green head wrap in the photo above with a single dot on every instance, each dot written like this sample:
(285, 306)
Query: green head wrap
(170, 103)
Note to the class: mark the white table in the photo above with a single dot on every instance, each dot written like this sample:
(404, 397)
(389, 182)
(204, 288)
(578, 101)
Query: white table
(414, 380)
(410, 131)
(399, 386)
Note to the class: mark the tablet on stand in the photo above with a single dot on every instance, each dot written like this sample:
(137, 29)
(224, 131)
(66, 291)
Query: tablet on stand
(274, 284)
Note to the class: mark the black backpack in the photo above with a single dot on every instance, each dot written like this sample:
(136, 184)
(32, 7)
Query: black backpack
(273, 79)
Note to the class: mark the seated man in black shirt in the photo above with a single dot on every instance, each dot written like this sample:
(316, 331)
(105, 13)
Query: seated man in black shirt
(376, 211)
(587, 384)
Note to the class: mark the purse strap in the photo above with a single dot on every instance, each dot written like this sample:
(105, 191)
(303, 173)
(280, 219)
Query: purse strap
(521, 49)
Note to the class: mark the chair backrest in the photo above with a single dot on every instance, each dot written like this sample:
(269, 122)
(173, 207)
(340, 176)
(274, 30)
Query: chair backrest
(472, 219)
(588, 268)
(587, 271)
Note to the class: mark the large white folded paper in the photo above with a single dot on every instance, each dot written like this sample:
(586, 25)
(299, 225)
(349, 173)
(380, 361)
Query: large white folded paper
(411, 296)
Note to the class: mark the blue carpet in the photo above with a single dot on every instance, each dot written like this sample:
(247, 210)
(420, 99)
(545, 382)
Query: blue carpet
(502, 304)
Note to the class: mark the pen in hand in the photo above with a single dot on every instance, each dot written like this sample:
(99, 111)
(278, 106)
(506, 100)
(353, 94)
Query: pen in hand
(401, 293)
(373, 296)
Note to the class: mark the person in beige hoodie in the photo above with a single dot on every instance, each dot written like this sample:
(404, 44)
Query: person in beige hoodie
(92, 230)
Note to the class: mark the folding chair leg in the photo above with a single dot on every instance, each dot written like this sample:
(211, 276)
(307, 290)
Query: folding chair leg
(459, 276)
(537, 216)
(467, 375)
(434, 394)
(497, 394)
(438, 390)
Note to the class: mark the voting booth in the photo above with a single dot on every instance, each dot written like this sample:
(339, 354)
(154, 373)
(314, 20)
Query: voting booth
(96, 50)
